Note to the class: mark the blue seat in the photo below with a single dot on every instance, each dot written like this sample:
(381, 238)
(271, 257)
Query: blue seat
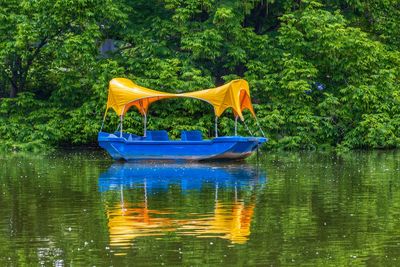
(134, 137)
(191, 135)
(157, 135)
(124, 135)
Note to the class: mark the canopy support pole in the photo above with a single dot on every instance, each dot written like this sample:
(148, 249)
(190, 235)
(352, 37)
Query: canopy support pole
(122, 197)
(104, 119)
(236, 121)
(247, 128)
(216, 126)
(259, 127)
(121, 119)
(144, 124)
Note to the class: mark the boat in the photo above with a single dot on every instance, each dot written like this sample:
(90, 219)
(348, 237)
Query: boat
(156, 144)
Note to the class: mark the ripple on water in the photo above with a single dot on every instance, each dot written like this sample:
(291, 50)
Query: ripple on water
(312, 209)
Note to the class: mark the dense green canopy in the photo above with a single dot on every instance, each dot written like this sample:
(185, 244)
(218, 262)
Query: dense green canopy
(322, 73)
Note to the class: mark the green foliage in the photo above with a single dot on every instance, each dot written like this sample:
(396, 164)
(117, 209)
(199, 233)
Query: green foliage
(322, 73)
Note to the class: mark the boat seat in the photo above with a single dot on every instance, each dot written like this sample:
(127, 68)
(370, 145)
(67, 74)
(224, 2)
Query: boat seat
(157, 135)
(191, 135)
(124, 135)
(134, 137)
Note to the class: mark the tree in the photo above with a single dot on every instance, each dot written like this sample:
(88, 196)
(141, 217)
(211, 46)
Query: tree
(322, 73)
(34, 32)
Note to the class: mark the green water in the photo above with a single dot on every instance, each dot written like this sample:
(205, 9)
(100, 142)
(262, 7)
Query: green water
(294, 209)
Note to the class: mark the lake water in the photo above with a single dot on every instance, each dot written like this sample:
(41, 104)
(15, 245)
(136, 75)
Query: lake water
(81, 209)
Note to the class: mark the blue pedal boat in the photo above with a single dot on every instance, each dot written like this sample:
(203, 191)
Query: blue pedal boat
(156, 145)
(133, 147)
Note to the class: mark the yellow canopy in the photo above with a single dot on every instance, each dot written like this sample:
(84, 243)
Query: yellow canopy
(123, 94)
(235, 95)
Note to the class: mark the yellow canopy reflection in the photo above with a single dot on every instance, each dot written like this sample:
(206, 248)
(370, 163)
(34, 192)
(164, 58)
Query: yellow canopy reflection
(229, 221)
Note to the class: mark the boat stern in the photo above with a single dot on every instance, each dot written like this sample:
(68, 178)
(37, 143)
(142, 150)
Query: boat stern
(106, 141)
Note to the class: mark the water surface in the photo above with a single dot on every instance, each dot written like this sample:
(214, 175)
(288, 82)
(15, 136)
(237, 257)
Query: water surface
(80, 208)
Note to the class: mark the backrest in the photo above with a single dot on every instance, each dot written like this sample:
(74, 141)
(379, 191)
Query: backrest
(194, 135)
(124, 135)
(157, 135)
(134, 137)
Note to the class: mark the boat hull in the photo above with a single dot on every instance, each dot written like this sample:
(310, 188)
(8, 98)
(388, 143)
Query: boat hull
(227, 147)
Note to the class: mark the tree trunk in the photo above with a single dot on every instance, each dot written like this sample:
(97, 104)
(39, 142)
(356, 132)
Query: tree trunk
(19, 70)
(14, 91)
(18, 76)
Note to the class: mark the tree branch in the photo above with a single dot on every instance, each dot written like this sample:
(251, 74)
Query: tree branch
(123, 48)
(42, 43)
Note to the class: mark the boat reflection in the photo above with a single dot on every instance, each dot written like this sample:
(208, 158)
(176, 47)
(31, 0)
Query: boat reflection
(136, 207)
